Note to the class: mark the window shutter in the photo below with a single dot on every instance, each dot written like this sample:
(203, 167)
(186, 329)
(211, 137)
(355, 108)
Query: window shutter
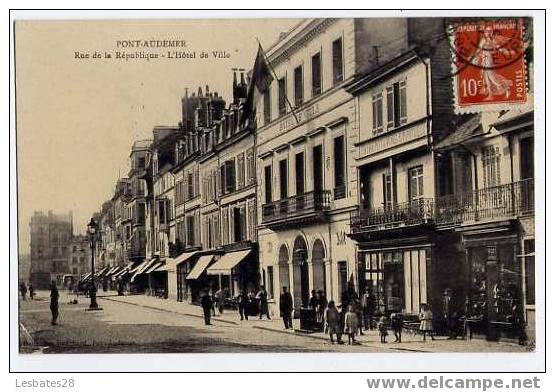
(390, 108)
(403, 101)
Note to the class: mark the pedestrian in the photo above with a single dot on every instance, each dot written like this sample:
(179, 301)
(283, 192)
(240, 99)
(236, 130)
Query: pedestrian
(213, 301)
(220, 300)
(447, 312)
(207, 306)
(31, 292)
(23, 291)
(351, 324)
(286, 307)
(426, 317)
(397, 325)
(368, 308)
(313, 301)
(54, 297)
(321, 309)
(243, 305)
(357, 307)
(382, 327)
(332, 317)
(262, 297)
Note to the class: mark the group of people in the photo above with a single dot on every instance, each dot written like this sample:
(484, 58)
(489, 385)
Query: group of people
(248, 304)
(23, 289)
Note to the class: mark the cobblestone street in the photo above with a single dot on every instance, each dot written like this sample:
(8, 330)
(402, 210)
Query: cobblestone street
(141, 323)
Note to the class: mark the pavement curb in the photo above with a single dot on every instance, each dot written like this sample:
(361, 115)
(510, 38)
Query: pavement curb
(169, 311)
(298, 333)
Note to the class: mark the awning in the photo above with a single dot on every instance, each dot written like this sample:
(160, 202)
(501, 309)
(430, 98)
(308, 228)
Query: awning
(102, 271)
(184, 257)
(200, 266)
(162, 268)
(121, 273)
(471, 128)
(111, 271)
(87, 276)
(227, 262)
(138, 267)
(143, 267)
(153, 267)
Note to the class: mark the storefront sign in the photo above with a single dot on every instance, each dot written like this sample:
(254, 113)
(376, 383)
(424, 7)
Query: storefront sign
(397, 138)
(303, 115)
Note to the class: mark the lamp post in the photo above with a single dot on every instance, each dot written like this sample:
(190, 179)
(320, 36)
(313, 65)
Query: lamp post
(92, 228)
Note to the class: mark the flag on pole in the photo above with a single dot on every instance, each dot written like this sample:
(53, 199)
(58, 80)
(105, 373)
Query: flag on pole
(261, 78)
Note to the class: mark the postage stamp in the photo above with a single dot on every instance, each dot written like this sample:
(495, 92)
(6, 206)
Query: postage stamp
(489, 69)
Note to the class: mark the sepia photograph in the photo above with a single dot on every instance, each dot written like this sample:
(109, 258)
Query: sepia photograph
(277, 185)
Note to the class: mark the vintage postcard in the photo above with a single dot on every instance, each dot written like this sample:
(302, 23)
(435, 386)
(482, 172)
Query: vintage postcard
(278, 185)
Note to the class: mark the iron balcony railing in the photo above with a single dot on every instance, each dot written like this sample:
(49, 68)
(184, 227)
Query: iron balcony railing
(415, 212)
(514, 199)
(298, 205)
(503, 201)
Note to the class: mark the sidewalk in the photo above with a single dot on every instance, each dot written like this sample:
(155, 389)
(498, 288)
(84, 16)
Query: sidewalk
(411, 343)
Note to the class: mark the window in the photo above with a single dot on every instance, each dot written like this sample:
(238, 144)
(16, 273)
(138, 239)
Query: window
(282, 96)
(299, 173)
(227, 176)
(283, 179)
(337, 54)
(396, 104)
(339, 167)
(530, 271)
(268, 184)
(267, 107)
(316, 74)
(491, 166)
(416, 183)
(251, 211)
(270, 281)
(317, 168)
(250, 166)
(527, 158)
(298, 79)
(241, 171)
(377, 113)
(387, 194)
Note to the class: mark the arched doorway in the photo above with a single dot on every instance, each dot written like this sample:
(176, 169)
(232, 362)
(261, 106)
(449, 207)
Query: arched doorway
(318, 267)
(283, 266)
(301, 290)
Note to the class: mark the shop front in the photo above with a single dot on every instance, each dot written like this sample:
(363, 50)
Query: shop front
(198, 281)
(235, 271)
(494, 304)
(397, 277)
(183, 265)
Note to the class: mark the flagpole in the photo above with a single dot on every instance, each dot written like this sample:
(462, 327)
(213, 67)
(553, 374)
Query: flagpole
(274, 72)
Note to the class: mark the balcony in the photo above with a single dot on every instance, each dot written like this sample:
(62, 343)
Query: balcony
(507, 201)
(308, 207)
(413, 213)
(503, 201)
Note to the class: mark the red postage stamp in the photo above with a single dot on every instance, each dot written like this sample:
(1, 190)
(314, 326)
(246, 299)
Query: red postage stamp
(489, 65)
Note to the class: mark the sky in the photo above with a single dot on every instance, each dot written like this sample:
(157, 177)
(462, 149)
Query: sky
(77, 118)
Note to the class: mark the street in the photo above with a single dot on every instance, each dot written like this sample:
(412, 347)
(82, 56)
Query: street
(143, 324)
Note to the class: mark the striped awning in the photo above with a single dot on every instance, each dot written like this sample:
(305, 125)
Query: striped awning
(143, 267)
(200, 266)
(183, 257)
(153, 267)
(227, 262)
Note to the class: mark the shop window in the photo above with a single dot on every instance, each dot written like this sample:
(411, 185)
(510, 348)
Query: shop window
(530, 271)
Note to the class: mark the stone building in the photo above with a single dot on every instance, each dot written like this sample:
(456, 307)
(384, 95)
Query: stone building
(51, 236)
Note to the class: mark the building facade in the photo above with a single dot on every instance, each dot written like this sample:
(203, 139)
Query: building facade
(51, 236)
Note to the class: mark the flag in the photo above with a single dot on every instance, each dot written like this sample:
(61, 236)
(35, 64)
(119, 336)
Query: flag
(261, 78)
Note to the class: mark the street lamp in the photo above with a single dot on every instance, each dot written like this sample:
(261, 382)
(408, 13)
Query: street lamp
(92, 228)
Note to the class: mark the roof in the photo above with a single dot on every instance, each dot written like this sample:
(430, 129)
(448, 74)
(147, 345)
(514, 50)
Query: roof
(373, 77)
(467, 130)
(517, 122)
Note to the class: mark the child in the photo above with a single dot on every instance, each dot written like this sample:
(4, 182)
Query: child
(382, 327)
(426, 325)
(397, 325)
(351, 324)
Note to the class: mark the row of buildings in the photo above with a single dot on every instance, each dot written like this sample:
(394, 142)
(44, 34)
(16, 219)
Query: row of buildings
(352, 171)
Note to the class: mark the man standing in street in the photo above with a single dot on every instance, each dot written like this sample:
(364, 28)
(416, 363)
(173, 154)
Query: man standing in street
(23, 291)
(207, 306)
(262, 297)
(54, 296)
(286, 307)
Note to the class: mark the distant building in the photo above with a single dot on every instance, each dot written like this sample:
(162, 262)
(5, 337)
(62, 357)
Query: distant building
(51, 236)
(79, 257)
